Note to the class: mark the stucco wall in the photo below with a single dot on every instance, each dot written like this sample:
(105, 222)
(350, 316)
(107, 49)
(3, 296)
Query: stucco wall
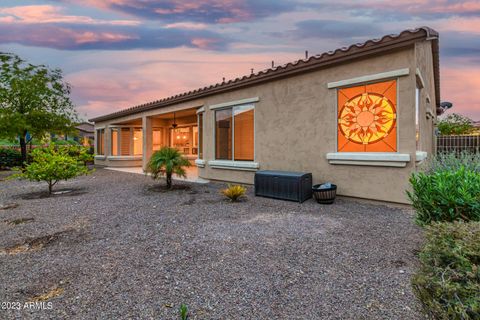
(295, 127)
(424, 63)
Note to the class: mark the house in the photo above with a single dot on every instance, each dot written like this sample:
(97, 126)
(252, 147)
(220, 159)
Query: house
(86, 133)
(361, 117)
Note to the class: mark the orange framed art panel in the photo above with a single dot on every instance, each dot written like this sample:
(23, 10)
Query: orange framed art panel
(367, 118)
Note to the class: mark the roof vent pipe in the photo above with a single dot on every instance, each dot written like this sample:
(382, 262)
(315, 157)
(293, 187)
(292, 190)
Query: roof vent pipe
(306, 54)
(273, 64)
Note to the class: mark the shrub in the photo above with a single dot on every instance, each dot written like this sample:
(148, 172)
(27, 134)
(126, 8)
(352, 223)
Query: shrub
(167, 161)
(446, 195)
(83, 154)
(10, 158)
(448, 282)
(52, 165)
(234, 192)
(453, 161)
(455, 124)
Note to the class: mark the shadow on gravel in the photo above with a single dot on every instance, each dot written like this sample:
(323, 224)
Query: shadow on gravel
(57, 193)
(36, 244)
(162, 188)
(15, 222)
(8, 206)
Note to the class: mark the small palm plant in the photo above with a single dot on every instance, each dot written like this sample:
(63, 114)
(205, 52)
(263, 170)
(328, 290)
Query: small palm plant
(167, 161)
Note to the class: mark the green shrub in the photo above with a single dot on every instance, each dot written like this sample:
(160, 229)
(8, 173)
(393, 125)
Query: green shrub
(448, 282)
(234, 192)
(83, 154)
(446, 195)
(52, 165)
(10, 158)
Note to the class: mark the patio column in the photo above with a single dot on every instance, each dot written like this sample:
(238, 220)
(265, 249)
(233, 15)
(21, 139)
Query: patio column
(147, 144)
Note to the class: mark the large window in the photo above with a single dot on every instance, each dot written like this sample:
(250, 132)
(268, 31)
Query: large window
(126, 141)
(101, 141)
(234, 133)
(367, 118)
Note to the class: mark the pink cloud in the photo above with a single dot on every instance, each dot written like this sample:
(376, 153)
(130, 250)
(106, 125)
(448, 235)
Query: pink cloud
(65, 38)
(459, 85)
(45, 14)
(151, 75)
(186, 25)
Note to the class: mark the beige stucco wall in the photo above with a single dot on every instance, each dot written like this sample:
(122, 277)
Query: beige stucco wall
(424, 63)
(295, 126)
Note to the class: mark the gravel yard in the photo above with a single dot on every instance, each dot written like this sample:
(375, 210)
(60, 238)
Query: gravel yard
(117, 248)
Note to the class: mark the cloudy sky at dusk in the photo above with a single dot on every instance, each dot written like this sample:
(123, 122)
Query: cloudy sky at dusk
(120, 53)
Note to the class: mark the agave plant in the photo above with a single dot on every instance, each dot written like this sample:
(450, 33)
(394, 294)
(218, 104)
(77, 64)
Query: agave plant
(166, 162)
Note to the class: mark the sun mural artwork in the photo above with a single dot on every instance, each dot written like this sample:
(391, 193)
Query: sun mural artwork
(367, 118)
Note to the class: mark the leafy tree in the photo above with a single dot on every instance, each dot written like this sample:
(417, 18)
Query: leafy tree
(167, 161)
(455, 124)
(33, 99)
(53, 165)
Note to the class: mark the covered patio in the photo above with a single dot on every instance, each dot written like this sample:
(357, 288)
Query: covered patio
(128, 145)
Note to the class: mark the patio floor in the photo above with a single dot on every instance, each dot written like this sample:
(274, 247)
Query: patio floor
(191, 173)
(118, 247)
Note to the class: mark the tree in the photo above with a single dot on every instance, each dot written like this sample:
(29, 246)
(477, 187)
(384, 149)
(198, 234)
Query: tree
(34, 100)
(52, 165)
(167, 161)
(455, 124)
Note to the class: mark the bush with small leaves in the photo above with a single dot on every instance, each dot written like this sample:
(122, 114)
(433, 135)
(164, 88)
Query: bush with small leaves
(10, 158)
(52, 165)
(448, 282)
(234, 192)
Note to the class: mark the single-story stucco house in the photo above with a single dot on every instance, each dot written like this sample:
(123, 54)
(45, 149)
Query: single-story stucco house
(361, 117)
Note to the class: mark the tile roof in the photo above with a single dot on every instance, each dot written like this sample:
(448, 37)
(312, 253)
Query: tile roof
(374, 46)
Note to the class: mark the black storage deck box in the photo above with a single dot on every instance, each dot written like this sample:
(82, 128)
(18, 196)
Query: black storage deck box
(293, 186)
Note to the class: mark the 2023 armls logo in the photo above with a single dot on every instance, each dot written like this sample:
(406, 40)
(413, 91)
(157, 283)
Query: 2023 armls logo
(31, 305)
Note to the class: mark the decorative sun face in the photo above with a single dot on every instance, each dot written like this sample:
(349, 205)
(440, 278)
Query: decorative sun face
(367, 118)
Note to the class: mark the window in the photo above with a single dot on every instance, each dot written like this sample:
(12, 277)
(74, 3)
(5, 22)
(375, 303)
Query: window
(126, 141)
(200, 135)
(367, 118)
(114, 142)
(101, 141)
(157, 139)
(137, 142)
(234, 133)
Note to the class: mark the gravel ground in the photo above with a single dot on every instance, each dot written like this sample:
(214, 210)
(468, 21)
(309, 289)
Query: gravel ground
(117, 248)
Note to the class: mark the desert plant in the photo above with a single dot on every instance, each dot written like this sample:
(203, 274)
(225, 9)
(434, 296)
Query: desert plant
(445, 195)
(183, 310)
(234, 192)
(10, 158)
(52, 165)
(455, 124)
(448, 282)
(453, 161)
(166, 162)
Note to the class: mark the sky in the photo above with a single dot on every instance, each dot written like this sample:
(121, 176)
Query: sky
(121, 53)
